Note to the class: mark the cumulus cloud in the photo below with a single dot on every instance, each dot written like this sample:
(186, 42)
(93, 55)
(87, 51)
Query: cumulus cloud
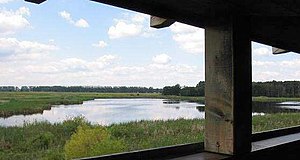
(266, 75)
(123, 29)
(262, 51)
(104, 70)
(5, 1)
(66, 15)
(295, 63)
(130, 26)
(189, 38)
(100, 44)
(139, 18)
(268, 67)
(13, 21)
(161, 59)
(280, 69)
(256, 63)
(11, 48)
(81, 23)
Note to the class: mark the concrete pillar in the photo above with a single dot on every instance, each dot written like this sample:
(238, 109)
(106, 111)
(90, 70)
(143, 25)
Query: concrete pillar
(228, 86)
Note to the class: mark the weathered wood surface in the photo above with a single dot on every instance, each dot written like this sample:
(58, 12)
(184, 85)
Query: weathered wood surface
(228, 87)
(279, 50)
(36, 1)
(158, 22)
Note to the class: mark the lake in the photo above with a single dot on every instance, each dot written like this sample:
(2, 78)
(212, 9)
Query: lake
(109, 111)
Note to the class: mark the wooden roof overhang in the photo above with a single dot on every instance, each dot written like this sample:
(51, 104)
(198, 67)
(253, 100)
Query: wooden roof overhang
(273, 22)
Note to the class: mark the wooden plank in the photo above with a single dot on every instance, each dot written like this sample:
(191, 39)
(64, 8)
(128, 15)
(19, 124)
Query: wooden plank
(202, 156)
(279, 32)
(275, 133)
(279, 50)
(158, 22)
(228, 86)
(154, 153)
(36, 1)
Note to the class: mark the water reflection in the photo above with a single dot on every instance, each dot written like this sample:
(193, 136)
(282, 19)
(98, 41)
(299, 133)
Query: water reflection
(108, 111)
(271, 107)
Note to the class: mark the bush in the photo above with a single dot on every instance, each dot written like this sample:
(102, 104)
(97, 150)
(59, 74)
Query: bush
(43, 140)
(92, 141)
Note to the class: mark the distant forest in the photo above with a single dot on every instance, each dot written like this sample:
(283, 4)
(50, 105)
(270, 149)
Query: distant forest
(269, 89)
(105, 89)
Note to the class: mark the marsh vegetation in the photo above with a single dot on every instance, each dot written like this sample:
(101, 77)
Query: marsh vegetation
(78, 137)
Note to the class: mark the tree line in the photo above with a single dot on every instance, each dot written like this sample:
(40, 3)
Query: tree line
(269, 89)
(100, 89)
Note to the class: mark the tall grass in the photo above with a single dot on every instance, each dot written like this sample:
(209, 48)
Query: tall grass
(275, 121)
(42, 140)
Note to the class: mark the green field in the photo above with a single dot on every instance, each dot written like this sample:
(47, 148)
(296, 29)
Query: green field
(78, 138)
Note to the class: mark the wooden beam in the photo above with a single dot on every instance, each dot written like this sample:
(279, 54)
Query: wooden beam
(228, 86)
(279, 32)
(279, 50)
(36, 1)
(278, 26)
(158, 22)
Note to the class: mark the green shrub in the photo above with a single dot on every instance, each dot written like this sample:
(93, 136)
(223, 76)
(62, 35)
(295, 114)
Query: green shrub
(54, 154)
(43, 140)
(92, 141)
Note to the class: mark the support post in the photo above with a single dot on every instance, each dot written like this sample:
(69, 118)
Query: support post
(228, 77)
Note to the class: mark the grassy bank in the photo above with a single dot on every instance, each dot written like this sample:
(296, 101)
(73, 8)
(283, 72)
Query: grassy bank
(13, 103)
(274, 99)
(78, 138)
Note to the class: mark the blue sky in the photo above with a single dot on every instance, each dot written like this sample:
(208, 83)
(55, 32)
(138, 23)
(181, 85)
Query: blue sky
(81, 42)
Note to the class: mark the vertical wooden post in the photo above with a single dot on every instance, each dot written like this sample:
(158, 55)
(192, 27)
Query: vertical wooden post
(228, 86)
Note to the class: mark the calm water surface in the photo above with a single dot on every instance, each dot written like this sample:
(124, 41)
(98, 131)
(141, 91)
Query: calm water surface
(109, 111)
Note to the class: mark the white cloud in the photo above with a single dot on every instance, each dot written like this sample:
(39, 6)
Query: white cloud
(266, 76)
(104, 70)
(276, 68)
(51, 40)
(263, 63)
(295, 63)
(66, 15)
(123, 29)
(102, 62)
(139, 18)
(11, 48)
(189, 38)
(131, 25)
(262, 51)
(13, 21)
(100, 44)
(161, 59)
(81, 23)
(5, 1)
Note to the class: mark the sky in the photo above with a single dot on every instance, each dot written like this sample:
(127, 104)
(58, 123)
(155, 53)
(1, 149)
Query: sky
(86, 43)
